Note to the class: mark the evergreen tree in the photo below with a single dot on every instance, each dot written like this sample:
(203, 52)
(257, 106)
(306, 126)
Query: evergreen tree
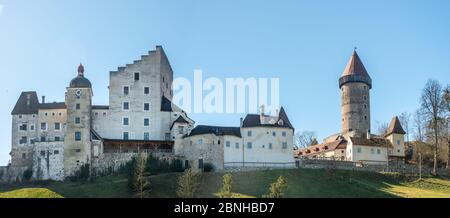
(141, 184)
(225, 191)
(188, 184)
(277, 188)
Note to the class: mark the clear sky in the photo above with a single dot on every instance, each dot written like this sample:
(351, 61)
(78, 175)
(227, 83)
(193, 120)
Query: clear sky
(305, 43)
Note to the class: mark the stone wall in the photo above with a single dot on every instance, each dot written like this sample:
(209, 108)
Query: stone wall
(347, 165)
(48, 161)
(111, 162)
(10, 174)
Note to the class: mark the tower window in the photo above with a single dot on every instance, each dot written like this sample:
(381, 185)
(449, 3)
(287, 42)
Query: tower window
(146, 90)
(57, 126)
(227, 144)
(23, 127)
(126, 136)
(284, 145)
(146, 106)
(365, 106)
(365, 97)
(146, 122)
(77, 106)
(77, 120)
(236, 145)
(270, 145)
(249, 133)
(77, 136)
(126, 106)
(365, 117)
(249, 145)
(126, 90)
(136, 76)
(43, 126)
(146, 136)
(126, 121)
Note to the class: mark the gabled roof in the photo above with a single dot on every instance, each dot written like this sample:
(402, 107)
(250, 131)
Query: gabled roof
(321, 148)
(216, 130)
(54, 105)
(375, 142)
(355, 72)
(253, 120)
(95, 135)
(180, 119)
(395, 127)
(27, 103)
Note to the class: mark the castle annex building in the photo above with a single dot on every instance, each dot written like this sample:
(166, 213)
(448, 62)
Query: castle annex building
(355, 142)
(56, 139)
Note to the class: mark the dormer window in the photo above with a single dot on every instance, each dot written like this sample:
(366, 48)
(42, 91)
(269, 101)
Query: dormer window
(280, 122)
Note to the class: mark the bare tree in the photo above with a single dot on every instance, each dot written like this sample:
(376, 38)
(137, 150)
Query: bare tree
(305, 139)
(382, 128)
(419, 125)
(432, 103)
(405, 117)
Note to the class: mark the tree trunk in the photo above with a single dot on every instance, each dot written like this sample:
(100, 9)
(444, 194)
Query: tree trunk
(435, 146)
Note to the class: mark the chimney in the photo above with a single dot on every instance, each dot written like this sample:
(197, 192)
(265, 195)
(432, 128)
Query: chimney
(368, 134)
(242, 122)
(43, 99)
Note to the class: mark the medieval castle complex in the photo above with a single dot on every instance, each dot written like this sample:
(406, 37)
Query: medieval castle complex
(56, 139)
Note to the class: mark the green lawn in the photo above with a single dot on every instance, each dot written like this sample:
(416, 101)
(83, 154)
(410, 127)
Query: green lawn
(302, 183)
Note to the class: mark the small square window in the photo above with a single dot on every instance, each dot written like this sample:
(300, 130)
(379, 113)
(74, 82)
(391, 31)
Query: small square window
(359, 150)
(249, 145)
(378, 151)
(57, 126)
(43, 139)
(32, 127)
(274, 134)
(77, 120)
(249, 133)
(126, 106)
(146, 106)
(285, 145)
(77, 136)
(137, 76)
(200, 142)
(24, 155)
(126, 136)
(23, 127)
(146, 90)
(146, 136)
(57, 139)
(78, 106)
(146, 122)
(126, 90)
(55, 152)
(398, 142)
(283, 134)
(372, 151)
(43, 126)
(270, 146)
(228, 144)
(42, 153)
(236, 145)
(126, 121)
(78, 151)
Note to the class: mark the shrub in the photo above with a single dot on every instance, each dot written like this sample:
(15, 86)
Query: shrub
(277, 188)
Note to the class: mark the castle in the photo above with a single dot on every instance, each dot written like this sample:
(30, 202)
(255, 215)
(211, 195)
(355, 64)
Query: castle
(355, 142)
(56, 139)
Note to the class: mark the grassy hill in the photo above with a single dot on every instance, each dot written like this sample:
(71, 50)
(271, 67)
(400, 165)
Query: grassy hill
(302, 183)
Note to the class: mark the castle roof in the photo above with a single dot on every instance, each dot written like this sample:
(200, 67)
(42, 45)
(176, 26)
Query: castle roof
(80, 81)
(216, 130)
(321, 148)
(395, 127)
(355, 72)
(374, 142)
(254, 120)
(27, 103)
(180, 119)
(168, 106)
(54, 105)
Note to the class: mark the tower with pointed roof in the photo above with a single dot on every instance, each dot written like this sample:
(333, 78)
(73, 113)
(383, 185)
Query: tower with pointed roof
(396, 135)
(77, 142)
(355, 84)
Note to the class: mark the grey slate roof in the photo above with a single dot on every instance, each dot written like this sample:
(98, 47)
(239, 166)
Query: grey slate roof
(168, 106)
(253, 120)
(80, 82)
(216, 130)
(54, 105)
(180, 119)
(100, 107)
(22, 106)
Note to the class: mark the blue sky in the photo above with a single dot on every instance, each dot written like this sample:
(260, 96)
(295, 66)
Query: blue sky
(305, 43)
